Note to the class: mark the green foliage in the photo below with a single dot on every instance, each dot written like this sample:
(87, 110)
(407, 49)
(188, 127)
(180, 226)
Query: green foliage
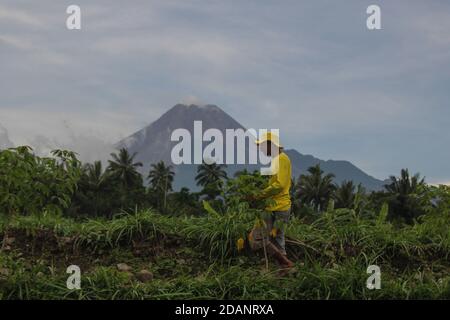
(124, 169)
(193, 251)
(345, 195)
(331, 256)
(211, 177)
(404, 195)
(210, 174)
(184, 202)
(246, 188)
(105, 193)
(94, 191)
(161, 179)
(219, 232)
(31, 185)
(315, 189)
(383, 214)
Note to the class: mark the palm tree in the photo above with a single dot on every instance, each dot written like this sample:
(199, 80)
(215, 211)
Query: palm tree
(405, 184)
(161, 179)
(95, 177)
(403, 194)
(242, 172)
(316, 189)
(124, 169)
(345, 194)
(94, 181)
(211, 174)
(185, 196)
(184, 202)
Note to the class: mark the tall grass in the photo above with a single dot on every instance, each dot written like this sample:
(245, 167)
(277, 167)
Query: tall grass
(331, 254)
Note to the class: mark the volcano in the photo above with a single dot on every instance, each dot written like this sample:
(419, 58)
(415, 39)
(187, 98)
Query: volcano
(153, 143)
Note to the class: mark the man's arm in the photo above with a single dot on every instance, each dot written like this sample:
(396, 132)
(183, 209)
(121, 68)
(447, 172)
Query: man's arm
(282, 180)
(272, 189)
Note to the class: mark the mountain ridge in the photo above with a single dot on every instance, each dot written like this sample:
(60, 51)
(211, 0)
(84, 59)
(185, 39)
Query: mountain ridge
(153, 144)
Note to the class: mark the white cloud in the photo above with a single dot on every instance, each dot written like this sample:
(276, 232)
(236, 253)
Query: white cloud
(91, 135)
(4, 139)
(10, 14)
(182, 48)
(16, 42)
(192, 99)
(441, 182)
(308, 67)
(34, 53)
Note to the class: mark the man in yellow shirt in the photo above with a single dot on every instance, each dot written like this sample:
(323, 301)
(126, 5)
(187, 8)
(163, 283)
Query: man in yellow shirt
(277, 191)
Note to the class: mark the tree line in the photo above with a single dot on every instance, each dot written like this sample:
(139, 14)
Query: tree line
(62, 183)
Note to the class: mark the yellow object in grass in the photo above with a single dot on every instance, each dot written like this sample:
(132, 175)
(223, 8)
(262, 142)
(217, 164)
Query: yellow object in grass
(240, 244)
(273, 233)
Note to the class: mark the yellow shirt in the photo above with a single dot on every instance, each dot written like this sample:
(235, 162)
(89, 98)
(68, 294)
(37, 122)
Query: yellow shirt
(279, 184)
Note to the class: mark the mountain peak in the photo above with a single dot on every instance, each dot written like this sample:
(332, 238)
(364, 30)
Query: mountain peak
(192, 106)
(153, 143)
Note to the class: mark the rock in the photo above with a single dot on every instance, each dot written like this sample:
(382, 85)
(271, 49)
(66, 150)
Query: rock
(4, 272)
(10, 240)
(129, 275)
(66, 240)
(144, 276)
(124, 267)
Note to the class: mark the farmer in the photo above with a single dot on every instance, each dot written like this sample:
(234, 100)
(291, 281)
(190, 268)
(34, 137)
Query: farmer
(278, 194)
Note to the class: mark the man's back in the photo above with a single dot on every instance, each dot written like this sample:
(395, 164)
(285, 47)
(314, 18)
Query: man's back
(280, 184)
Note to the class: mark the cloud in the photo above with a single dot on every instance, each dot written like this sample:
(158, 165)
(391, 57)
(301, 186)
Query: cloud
(88, 146)
(310, 68)
(5, 143)
(191, 99)
(91, 137)
(16, 42)
(185, 48)
(12, 15)
(438, 183)
(34, 53)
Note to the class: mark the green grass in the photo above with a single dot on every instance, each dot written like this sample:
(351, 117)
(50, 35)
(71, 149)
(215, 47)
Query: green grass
(196, 258)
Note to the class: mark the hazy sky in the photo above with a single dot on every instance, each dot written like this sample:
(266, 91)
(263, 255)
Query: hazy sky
(311, 68)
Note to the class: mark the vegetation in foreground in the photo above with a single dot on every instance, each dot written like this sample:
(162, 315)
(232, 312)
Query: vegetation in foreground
(190, 250)
(332, 256)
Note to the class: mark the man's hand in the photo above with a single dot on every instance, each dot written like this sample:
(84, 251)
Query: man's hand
(249, 198)
(252, 197)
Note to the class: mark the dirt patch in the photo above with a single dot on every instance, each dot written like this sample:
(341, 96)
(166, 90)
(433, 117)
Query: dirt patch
(168, 253)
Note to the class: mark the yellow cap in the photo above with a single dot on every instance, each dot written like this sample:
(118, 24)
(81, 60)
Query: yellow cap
(269, 136)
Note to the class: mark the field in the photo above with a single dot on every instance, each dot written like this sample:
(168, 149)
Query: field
(56, 212)
(196, 258)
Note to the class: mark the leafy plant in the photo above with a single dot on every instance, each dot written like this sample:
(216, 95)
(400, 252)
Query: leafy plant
(31, 185)
(316, 188)
(161, 179)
